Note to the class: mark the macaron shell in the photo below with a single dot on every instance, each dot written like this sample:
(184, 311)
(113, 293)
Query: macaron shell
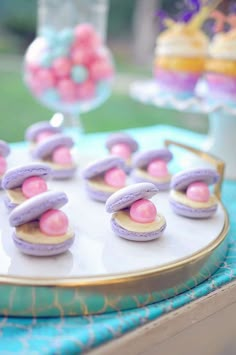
(101, 166)
(97, 195)
(4, 149)
(123, 138)
(45, 148)
(161, 186)
(135, 236)
(142, 159)
(16, 176)
(42, 249)
(123, 198)
(9, 204)
(190, 212)
(39, 127)
(183, 179)
(34, 207)
(63, 174)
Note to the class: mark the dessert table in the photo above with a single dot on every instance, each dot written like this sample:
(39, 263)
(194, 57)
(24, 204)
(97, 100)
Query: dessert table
(74, 335)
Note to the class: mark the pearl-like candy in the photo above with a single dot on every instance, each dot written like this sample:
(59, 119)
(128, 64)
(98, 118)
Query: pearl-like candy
(198, 191)
(62, 156)
(3, 165)
(143, 211)
(157, 168)
(115, 177)
(121, 150)
(53, 223)
(33, 186)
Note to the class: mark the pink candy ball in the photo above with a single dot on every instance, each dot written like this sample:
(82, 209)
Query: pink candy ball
(62, 67)
(157, 168)
(100, 69)
(143, 211)
(81, 56)
(198, 191)
(33, 185)
(115, 177)
(43, 135)
(3, 165)
(62, 156)
(67, 90)
(86, 90)
(85, 35)
(53, 223)
(45, 78)
(121, 150)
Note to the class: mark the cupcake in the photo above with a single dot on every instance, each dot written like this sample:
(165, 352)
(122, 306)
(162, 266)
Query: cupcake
(23, 182)
(122, 145)
(221, 67)
(152, 166)
(134, 216)
(190, 195)
(103, 177)
(180, 59)
(41, 229)
(55, 151)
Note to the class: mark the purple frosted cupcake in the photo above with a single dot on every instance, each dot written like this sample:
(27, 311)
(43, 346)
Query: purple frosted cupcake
(134, 215)
(104, 177)
(56, 152)
(41, 229)
(151, 166)
(190, 195)
(122, 145)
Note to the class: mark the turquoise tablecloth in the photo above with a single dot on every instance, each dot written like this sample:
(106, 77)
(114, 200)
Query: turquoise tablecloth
(75, 335)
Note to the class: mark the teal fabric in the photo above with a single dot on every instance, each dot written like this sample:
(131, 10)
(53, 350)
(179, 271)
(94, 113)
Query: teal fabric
(79, 334)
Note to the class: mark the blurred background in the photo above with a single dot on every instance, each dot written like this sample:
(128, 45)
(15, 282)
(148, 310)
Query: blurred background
(132, 31)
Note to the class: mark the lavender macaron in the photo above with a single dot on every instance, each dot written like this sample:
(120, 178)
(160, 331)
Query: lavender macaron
(190, 195)
(151, 166)
(122, 145)
(134, 216)
(4, 152)
(56, 152)
(16, 179)
(40, 131)
(103, 177)
(41, 229)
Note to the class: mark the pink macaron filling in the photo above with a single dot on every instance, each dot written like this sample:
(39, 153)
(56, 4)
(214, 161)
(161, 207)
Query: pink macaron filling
(3, 165)
(62, 156)
(143, 211)
(53, 223)
(121, 150)
(33, 185)
(115, 177)
(198, 191)
(157, 168)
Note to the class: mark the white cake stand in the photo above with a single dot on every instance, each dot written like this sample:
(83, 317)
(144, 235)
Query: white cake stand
(222, 119)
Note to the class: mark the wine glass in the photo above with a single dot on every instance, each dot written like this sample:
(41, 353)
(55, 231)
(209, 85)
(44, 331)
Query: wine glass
(68, 67)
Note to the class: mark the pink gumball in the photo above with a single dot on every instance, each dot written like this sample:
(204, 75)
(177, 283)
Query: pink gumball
(62, 67)
(143, 211)
(3, 165)
(86, 90)
(115, 177)
(67, 90)
(46, 78)
(100, 69)
(121, 150)
(158, 168)
(62, 156)
(33, 185)
(81, 55)
(86, 36)
(35, 85)
(53, 223)
(198, 191)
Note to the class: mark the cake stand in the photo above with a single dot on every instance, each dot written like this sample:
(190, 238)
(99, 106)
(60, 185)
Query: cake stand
(222, 118)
